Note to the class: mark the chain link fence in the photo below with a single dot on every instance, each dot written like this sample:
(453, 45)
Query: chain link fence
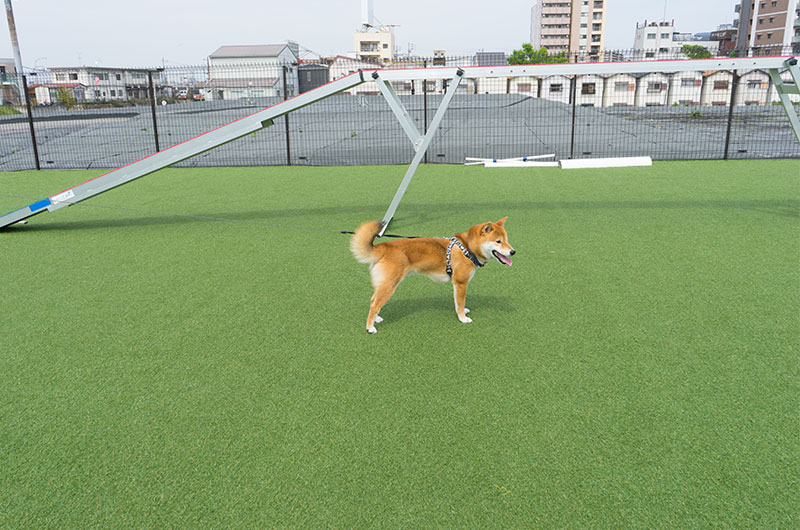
(84, 118)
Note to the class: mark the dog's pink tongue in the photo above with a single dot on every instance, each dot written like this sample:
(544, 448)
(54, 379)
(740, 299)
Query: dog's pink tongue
(505, 260)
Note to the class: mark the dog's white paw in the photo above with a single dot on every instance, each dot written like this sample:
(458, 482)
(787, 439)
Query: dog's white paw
(466, 311)
(378, 319)
(465, 320)
(371, 329)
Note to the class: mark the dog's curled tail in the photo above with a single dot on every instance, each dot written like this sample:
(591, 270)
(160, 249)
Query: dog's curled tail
(361, 242)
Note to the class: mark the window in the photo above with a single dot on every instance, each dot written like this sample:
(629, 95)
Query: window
(119, 77)
(663, 50)
(524, 87)
(61, 77)
(771, 20)
(73, 77)
(774, 4)
(687, 81)
(650, 54)
(665, 35)
(620, 86)
(588, 88)
(655, 87)
(385, 46)
(758, 37)
(651, 35)
(556, 87)
(720, 85)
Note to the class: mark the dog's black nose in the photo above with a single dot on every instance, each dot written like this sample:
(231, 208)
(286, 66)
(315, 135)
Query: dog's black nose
(513, 252)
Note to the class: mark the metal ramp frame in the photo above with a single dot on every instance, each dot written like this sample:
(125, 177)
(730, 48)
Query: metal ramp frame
(383, 78)
(182, 151)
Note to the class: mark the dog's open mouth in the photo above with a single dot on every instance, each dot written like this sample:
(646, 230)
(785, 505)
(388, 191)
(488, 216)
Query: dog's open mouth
(502, 259)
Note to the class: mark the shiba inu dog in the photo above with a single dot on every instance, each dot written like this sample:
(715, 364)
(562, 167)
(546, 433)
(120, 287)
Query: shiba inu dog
(441, 259)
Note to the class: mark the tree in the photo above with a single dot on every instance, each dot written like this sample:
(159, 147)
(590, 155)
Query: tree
(527, 55)
(65, 97)
(695, 51)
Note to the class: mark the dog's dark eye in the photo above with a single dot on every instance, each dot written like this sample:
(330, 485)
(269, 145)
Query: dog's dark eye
(499, 240)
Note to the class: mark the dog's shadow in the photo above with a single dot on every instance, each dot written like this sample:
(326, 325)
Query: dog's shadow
(399, 309)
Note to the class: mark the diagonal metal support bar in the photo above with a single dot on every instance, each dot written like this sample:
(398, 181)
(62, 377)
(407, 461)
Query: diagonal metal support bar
(423, 146)
(173, 155)
(783, 89)
(406, 122)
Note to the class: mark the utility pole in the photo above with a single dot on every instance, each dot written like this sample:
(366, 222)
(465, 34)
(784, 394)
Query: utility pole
(12, 30)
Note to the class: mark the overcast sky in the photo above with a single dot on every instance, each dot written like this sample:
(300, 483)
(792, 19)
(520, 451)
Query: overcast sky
(177, 32)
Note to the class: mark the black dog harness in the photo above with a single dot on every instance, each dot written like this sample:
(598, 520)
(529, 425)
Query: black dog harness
(467, 253)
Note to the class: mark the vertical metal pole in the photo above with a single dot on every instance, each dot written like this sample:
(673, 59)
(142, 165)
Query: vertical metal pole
(30, 121)
(12, 30)
(153, 108)
(425, 109)
(574, 91)
(735, 83)
(286, 121)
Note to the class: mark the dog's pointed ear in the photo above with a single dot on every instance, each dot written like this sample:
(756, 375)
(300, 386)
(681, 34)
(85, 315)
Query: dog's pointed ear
(502, 221)
(486, 228)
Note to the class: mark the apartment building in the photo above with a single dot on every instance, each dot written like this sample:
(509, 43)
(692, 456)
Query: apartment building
(767, 27)
(573, 26)
(104, 84)
(375, 44)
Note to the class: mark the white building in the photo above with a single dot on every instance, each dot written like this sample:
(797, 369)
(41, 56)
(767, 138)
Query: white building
(589, 92)
(753, 88)
(620, 90)
(105, 84)
(652, 90)
(659, 40)
(716, 89)
(236, 72)
(686, 88)
(555, 88)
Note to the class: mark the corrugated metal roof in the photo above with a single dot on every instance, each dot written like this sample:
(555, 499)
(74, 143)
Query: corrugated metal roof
(264, 50)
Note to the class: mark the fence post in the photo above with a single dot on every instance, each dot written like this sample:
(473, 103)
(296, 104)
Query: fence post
(286, 121)
(30, 121)
(573, 96)
(425, 108)
(152, 93)
(734, 84)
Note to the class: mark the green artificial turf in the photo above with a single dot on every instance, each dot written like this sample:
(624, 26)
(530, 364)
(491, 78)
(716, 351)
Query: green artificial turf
(636, 367)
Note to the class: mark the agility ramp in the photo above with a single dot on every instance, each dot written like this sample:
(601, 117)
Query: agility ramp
(179, 152)
(420, 142)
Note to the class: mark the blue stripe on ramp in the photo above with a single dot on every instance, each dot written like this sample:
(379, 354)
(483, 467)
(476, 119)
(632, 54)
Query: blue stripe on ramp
(44, 203)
